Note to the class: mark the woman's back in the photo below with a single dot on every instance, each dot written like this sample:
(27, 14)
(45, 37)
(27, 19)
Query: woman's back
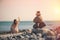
(37, 19)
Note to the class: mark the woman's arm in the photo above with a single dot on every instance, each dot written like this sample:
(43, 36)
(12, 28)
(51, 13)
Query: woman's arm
(18, 18)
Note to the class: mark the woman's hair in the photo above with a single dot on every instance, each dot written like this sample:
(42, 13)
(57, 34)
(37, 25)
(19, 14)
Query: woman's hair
(15, 21)
(38, 13)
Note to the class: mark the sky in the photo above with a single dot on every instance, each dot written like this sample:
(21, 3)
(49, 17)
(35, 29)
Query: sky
(26, 9)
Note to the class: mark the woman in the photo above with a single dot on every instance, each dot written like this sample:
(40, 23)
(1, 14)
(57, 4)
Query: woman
(14, 27)
(40, 27)
(38, 21)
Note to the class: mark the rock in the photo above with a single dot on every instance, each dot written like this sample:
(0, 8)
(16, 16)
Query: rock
(36, 34)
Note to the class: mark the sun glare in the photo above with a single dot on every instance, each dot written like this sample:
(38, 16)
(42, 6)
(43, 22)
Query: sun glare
(56, 11)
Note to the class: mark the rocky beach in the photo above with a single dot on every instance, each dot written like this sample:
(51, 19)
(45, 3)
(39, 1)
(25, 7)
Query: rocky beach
(25, 35)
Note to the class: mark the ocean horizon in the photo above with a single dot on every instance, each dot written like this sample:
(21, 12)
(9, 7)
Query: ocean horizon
(6, 25)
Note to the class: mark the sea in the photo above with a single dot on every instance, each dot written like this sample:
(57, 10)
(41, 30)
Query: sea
(6, 25)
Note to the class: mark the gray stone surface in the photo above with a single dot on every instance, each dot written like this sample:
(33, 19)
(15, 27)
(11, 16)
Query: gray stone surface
(36, 35)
